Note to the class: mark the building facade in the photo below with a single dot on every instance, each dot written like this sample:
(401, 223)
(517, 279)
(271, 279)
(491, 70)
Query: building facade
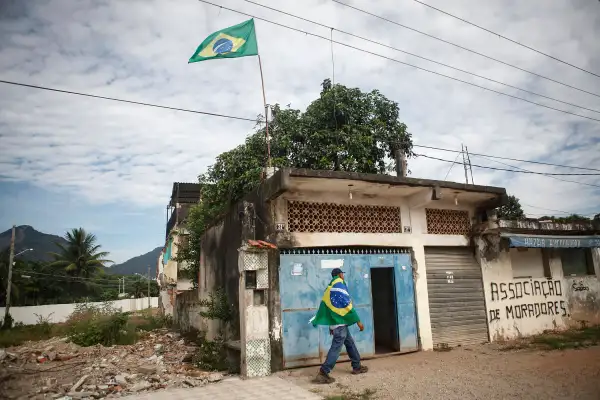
(168, 268)
(399, 240)
(540, 276)
(427, 264)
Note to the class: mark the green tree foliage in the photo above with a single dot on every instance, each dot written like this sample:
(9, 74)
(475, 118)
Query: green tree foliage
(344, 129)
(512, 210)
(38, 283)
(81, 256)
(565, 220)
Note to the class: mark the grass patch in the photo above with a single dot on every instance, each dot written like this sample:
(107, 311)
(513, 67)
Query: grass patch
(571, 339)
(348, 394)
(20, 334)
(147, 321)
(558, 340)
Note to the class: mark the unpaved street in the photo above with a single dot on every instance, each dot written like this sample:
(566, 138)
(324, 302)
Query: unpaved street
(481, 372)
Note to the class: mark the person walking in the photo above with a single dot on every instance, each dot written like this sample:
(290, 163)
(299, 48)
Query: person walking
(337, 312)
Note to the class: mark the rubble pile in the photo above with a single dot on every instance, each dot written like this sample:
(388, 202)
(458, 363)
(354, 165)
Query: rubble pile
(57, 369)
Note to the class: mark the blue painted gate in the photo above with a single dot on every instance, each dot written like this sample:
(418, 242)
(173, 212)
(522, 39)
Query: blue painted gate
(303, 276)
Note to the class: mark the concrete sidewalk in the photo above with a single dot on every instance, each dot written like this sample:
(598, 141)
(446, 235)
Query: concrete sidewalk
(268, 388)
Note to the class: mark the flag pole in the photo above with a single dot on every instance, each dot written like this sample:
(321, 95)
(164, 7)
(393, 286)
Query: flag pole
(262, 80)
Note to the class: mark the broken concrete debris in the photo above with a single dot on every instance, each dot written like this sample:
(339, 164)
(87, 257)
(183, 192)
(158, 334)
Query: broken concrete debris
(69, 371)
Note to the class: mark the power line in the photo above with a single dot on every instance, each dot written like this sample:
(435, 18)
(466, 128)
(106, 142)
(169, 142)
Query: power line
(101, 280)
(398, 61)
(463, 48)
(126, 101)
(506, 38)
(523, 171)
(545, 174)
(63, 278)
(508, 158)
(503, 169)
(512, 170)
(421, 57)
(548, 209)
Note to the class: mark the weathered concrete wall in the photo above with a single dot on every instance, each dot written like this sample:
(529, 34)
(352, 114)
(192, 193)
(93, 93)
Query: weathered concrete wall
(412, 209)
(60, 312)
(523, 307)
(583, 294)
(166, 301)
(527, 306)
(186, 313)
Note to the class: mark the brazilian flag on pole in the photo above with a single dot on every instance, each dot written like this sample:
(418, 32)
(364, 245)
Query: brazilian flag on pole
(236, 41)
(336, 306)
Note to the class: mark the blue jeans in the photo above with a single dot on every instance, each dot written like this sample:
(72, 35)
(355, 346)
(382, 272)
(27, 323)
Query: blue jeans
(341, 336)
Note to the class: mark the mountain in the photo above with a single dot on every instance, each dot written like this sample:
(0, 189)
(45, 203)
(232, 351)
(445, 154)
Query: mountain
(138, 265)
(26, 237)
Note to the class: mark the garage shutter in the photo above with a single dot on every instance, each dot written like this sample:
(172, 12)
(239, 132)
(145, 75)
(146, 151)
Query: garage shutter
(456, 298)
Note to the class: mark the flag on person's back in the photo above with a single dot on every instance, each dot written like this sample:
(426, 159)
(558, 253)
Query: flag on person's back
(236, 41)
(336, 306)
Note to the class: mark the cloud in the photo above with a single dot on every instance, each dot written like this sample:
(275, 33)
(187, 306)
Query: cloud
(111, 152)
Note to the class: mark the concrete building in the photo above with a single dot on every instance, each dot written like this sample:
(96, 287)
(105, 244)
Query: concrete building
(427, 264)
(539, 276)
(400, 241)
(169, 276)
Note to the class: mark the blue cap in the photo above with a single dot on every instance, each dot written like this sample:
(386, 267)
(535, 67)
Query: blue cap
(336, 272)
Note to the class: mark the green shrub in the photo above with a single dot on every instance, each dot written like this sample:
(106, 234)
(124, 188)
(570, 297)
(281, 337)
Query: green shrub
(211, 355)
(149, 322)
(22, 333)
(89, 325)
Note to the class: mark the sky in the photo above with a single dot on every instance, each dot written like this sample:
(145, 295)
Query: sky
(70, 161)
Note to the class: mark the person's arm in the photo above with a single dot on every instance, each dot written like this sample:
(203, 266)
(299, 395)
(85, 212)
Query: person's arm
(361, 327)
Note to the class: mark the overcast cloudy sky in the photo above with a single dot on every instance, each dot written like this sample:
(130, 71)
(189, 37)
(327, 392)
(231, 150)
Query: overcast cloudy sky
(68, 161)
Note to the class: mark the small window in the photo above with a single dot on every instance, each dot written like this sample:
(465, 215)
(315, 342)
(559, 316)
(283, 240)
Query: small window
(259, 298)
(577, 262)
(250, 279)
(527, 263)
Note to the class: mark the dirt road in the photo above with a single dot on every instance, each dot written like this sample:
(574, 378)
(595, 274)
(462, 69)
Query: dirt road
(482, 372)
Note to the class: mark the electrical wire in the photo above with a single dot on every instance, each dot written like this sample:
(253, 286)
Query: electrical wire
(78, 278)
(418, 56)
(463, 48)
(399, 62)
(454, 162)
(506, 38)
(511, 170)
(548, 209)
(508, 158)
(553, 176)
(126, 101)
(524, 171)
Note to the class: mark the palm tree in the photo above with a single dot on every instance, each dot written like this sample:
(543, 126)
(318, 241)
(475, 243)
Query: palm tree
(80, 254)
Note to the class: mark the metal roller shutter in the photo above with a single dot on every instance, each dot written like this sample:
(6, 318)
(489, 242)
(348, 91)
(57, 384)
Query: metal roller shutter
(456, 297)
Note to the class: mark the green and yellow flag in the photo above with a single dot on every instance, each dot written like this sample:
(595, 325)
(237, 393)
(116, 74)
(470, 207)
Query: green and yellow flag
(236, 41)
(336, 306)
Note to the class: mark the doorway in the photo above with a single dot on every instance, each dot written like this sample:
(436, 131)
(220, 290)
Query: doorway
(385, 320)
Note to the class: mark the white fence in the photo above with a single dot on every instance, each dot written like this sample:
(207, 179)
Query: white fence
(60, 312)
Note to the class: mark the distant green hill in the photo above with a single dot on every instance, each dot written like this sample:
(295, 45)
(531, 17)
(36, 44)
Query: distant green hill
(26, 237)
(138, 265)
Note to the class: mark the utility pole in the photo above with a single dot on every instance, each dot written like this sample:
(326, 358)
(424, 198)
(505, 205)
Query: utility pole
(470, 167)
(11, 259)
(464, 163)
(148, 286)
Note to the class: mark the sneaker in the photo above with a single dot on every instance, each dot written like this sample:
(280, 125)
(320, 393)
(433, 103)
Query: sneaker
(361, 370)
(324, 378)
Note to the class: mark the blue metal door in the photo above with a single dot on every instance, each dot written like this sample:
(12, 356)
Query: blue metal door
(405, 296)
(303, 276)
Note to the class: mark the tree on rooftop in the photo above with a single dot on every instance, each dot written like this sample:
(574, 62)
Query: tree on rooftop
(344, 129)
(511, 210)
